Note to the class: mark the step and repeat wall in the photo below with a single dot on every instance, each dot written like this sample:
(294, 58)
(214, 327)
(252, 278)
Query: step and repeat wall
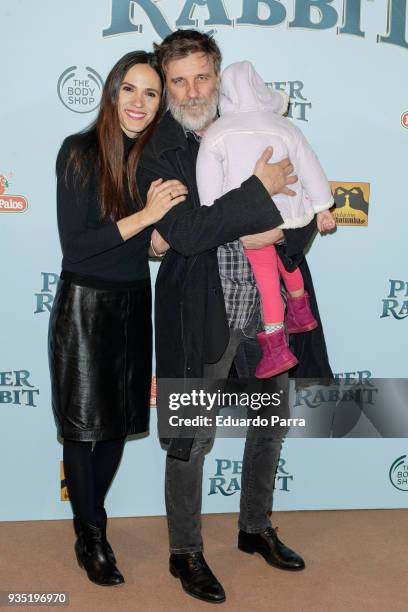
(344, 65)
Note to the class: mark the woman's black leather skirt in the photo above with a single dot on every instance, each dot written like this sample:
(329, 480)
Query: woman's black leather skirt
(100, 356)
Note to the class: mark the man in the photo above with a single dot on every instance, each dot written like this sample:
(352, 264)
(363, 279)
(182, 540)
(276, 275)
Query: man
(204, 326)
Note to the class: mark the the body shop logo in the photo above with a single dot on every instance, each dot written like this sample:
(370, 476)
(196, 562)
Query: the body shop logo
(227, 477)
(10, 203)
(16, 388)
(398, 473)
(351, 200)
(314, 15)
(44, 299)
(404, 119)
(79, 89)
(396, 302)
(299, 105)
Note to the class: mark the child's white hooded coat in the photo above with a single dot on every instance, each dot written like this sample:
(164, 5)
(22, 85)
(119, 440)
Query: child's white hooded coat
(251, 120)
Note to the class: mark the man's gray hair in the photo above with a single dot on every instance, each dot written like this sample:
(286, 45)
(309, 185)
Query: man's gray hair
(182, 43)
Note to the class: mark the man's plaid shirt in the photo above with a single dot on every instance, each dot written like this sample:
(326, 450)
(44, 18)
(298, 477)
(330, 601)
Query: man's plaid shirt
(238, 284)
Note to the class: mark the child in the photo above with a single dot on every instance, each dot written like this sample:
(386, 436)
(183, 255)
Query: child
(251, 120)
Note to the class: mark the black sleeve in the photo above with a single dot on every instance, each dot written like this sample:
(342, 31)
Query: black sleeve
(191, 230)
(78, 241)
(296, 240)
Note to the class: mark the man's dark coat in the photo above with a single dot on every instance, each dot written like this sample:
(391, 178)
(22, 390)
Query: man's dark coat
(190, 320)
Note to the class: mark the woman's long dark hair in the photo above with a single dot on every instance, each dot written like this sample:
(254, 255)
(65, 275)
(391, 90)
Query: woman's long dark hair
(114, 177)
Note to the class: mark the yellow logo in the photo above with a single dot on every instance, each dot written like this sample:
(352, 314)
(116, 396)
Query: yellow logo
(64, 489)
(351, 201)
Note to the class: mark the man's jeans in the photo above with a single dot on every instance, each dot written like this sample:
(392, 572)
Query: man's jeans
(261, 455)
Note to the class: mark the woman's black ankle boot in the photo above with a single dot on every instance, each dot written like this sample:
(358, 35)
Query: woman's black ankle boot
(108, 548)
(91, 553)
(103, 523)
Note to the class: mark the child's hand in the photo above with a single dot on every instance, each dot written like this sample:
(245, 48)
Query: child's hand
(325, 221)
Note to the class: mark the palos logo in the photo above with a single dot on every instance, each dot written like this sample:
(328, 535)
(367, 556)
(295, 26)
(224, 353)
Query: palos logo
(398, 473)
(396, 302)
(16, 388)
(404, 119)
(227, 477)
(10, 203)
(153, 393)
(79, 89)
(351, 200)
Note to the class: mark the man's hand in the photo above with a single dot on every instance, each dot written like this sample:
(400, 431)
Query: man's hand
(275, 177)
(257, 241)
(325, 221)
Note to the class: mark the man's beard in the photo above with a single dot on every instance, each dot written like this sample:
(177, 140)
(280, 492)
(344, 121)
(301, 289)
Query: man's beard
(190, 121)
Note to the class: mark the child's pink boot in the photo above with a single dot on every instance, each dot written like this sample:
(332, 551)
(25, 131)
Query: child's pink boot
(277, 357)
(299, 317)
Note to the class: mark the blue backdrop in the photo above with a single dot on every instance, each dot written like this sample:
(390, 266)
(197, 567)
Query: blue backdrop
(344, 65)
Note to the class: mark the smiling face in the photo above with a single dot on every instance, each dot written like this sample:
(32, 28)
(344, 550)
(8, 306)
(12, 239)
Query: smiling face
(192, 88)
(139, 99)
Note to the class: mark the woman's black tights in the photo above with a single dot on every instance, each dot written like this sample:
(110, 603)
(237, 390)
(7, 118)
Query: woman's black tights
(89, 473)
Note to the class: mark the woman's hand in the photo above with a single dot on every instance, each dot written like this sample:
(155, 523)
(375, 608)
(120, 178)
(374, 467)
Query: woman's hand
(161, 197)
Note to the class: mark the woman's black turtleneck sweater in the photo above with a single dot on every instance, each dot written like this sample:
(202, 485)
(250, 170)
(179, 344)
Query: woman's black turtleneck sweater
(90, 246)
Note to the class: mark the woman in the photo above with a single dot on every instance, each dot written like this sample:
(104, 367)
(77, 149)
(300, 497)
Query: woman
(100, 336)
